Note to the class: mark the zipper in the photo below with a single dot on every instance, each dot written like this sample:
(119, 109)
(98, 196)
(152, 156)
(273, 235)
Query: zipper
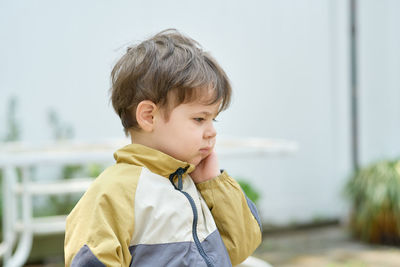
(179, 173)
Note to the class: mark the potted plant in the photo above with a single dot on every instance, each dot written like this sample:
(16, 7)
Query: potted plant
(250, 191)
(374, 192)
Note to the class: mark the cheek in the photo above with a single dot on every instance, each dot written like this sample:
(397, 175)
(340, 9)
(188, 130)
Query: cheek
(195, 133)
(180, 136)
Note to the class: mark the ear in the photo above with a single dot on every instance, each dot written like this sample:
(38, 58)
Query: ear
(145, 115)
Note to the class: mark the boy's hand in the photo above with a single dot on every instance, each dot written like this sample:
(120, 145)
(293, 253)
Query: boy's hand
(207, 169)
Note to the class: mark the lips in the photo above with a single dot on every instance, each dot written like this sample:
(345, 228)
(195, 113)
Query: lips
(206, 150)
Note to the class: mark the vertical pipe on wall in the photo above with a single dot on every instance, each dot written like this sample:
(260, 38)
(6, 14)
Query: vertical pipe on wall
(354, 84)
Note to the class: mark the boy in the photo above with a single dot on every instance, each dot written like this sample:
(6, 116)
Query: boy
(165, 202)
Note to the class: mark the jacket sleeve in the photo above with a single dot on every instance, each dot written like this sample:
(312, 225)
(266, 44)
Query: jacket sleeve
(235, 216)
(100, 227)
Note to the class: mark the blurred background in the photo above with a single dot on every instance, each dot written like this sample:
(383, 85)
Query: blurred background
(297, 80)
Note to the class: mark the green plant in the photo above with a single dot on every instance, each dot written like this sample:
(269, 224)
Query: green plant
(13, 128)
(249, 190)
(61, 130)
(13, 133)
(374, 192)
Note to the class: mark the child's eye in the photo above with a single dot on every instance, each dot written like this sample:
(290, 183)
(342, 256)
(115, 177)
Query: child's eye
(199, 119)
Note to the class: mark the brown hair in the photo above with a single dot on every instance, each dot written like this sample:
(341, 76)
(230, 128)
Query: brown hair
(167, 62)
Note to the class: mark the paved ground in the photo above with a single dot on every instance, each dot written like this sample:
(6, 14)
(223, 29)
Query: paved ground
(329, 246)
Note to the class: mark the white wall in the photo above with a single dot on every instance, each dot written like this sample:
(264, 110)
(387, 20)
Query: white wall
(379, 80)
(288, 62)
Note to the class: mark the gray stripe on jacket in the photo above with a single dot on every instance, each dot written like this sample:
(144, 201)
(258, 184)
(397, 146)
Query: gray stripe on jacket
(180, 254)
(85, 257)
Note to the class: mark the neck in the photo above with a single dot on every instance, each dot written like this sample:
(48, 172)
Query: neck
(138, 137)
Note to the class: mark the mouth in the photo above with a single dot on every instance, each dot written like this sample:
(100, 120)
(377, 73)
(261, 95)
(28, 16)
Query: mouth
(206, 150)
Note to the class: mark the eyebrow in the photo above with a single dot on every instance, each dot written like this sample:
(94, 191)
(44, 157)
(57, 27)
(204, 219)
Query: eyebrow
(206, 113)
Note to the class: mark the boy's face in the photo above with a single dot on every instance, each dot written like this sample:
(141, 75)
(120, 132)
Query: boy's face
(188, 134)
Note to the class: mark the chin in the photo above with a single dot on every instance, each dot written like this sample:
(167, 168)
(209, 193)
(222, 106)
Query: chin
(195, 162)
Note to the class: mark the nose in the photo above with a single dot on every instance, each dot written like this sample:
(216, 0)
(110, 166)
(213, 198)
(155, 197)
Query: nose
(210, 131)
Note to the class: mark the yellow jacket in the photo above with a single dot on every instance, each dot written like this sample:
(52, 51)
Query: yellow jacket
(146, 211)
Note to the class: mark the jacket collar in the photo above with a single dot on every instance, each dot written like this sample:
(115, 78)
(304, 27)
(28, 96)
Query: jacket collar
(154, 160)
